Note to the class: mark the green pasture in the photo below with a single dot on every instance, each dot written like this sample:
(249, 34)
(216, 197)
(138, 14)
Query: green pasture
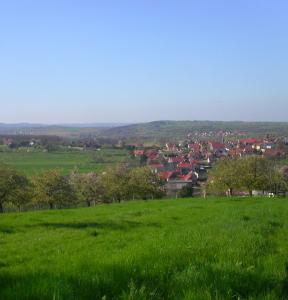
(163, 249)
(31, 163)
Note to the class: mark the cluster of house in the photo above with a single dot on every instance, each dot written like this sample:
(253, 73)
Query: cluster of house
(212, 134)
(186, 164)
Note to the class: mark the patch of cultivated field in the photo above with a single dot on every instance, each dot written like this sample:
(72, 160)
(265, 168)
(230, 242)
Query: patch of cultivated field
(168, 249)
(31, 163)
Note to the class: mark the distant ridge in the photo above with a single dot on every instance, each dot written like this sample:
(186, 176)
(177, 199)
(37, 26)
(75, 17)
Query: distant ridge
(74, 125)
(180, 129)
(165, 129)
(67, 130)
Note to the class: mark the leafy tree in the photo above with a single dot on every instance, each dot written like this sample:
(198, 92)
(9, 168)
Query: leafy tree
(115, 182)
(88, 187)
(275, 178)
(186, 191)
(143, 160)
(254, 172)
(22, 193)
(249, 173)
(225, 175)
(122, 183)
(10, 185)
(53, 189)
(144, 184)
(285, 173)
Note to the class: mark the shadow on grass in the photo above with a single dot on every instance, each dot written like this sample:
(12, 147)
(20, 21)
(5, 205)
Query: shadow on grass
(7, 230)
(124, 225)
(246, 218)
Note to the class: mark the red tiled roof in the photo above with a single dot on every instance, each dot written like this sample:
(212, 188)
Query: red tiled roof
(186, 177)
(195, 147)
(152, 156)
(139, 152)
(185, 165)
(248, 149)
(176, 159)
(166, 175)
(151, 152)
(217, 145)
(249, 141)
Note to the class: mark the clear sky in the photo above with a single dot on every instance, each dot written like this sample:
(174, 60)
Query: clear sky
(68, 61)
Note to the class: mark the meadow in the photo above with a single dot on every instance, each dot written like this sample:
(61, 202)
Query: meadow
(31, 163)
(163, 249)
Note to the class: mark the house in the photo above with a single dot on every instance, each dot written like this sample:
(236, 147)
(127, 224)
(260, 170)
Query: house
(249, 141)
(171, 147)
(219, 149)
(176, 159)
(215, 145)
(235, 152)
(268, 145)
(167, 175)
(152, 154)
(248, 149)
(175, 181)
(195, 148)
(195, 156)
(7, 141)
(139, 152)
(157, 168)
(186, 167)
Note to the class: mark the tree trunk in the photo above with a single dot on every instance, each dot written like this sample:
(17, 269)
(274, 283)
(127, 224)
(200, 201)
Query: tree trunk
(51, 205)
(1, 208)
(250, 193)
(88, 203)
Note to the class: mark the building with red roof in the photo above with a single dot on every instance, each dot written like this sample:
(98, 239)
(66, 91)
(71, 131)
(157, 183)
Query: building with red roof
(249, 141)
(139, 152)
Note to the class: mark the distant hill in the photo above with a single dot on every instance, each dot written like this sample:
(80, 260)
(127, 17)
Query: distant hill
(69, 130)
(69, 125)
(152, 131)
(180, 129)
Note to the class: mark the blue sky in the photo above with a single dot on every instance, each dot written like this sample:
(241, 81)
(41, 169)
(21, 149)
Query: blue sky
(128, 61)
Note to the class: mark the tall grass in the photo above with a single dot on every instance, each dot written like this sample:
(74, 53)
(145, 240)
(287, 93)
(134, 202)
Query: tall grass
(169, 249)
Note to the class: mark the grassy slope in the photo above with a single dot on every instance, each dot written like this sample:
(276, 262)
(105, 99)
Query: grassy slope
(35, 162)
(170, 249)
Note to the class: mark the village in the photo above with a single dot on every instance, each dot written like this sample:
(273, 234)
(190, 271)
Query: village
(185, 164)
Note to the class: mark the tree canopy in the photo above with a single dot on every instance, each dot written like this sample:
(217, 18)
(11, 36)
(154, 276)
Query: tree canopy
(248, 173)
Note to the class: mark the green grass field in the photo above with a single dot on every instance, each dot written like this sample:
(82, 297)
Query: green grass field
(32, 163)
(168, 249)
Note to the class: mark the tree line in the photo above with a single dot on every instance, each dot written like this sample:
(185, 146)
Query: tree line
(247, 174)
(51, 189)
